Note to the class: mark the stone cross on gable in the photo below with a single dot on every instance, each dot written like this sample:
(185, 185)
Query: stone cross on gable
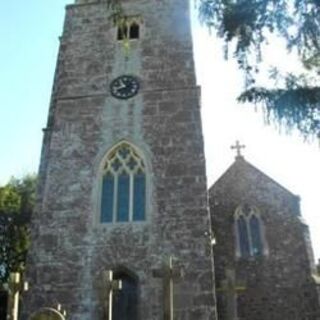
(230, 289)
(238, 148)
(168, 273)
(111, 286)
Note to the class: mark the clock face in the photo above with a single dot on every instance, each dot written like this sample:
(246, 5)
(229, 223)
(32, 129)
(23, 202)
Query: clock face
(124, 87)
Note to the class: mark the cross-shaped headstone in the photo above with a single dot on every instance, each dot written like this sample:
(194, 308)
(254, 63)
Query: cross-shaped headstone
(168, 273)
(230, 288)
(238, 147)
(61, 310)
(49, 314)
(111, 286)
(15, 286)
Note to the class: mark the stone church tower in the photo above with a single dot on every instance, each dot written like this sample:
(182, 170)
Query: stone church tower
(122, 174)
(263, 255)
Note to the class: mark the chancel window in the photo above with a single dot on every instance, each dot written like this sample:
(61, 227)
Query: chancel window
(256, 236)
(248, 227)
(125, 302)
(243, 236)
(123, 196)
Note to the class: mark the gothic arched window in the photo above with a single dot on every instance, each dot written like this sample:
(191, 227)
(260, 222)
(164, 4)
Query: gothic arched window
(243, 236)
(123, 197)
(256, 236)
(125, 302)
(249, 232)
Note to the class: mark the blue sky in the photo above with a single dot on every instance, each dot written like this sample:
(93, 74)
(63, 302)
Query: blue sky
(29, 33)
(29, 38)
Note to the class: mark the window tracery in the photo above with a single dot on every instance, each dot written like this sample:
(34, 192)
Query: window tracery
(249, 232)
(123, 186)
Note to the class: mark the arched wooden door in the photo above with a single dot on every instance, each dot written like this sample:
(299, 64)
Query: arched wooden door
(125, 302)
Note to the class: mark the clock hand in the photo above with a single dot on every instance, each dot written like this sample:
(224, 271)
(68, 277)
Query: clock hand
(119, 85)
(122, 85)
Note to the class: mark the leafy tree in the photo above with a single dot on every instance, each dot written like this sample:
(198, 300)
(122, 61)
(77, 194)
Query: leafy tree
(17, 200)
(248, 25)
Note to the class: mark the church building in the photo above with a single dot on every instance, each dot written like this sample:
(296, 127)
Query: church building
(264, 261)
(122, 228)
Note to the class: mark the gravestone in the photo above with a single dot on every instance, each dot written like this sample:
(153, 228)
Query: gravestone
(47, 314)
(169, 273)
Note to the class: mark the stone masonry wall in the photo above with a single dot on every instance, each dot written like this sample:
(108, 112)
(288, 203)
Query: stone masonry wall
(70, 248)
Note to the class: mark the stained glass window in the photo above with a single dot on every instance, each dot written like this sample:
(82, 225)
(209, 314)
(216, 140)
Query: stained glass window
(255, 232)
(107, 198)
(139, 204)
(124, 186)
(243, 236)
(249, 231)
(123, 197)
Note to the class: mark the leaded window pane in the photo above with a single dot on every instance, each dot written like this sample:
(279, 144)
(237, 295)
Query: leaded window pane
(123, 198)
(107, 199)
(124, 186)
(243, 236)
(255, 231)
(139, 204)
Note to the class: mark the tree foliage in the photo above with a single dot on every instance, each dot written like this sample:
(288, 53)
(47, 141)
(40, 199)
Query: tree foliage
(17, 200)
(289, 107)
(248, 24)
